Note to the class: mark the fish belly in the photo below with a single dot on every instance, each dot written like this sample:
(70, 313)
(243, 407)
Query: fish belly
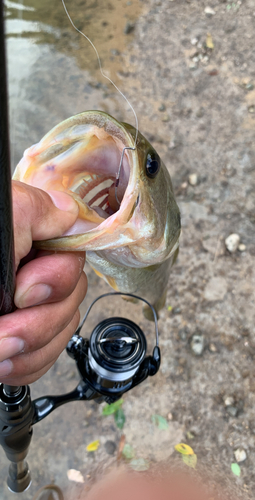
(149, 283)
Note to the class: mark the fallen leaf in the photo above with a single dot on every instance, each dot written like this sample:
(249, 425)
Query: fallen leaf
(128, 452)
(110, 409)
(93, 446)
(209, 41)
(75, 475)
(184, 449)
(169, 308)
(236, 469)
(190, 460)
(119, 418)
(121, 446)
(139, 464)
(160, 422)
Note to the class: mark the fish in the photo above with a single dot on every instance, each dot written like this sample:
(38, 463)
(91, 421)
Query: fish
(129, 228)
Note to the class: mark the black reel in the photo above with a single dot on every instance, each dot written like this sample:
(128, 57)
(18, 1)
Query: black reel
(113, 360)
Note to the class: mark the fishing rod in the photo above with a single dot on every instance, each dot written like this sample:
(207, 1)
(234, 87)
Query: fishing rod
(111, 362)
(10, 396)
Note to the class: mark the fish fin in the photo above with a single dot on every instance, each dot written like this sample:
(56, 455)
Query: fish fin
(110, 281)
(159, 304)
(175, 257)
(98, 273)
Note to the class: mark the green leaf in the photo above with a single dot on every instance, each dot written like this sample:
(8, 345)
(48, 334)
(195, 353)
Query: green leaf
(190, 460)
(119, 418)
(128, 452)
(110, 409)
(160, 422)
(236, 469)
(139, 464)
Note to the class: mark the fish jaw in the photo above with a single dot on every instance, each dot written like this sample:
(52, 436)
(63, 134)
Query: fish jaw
(145, 228)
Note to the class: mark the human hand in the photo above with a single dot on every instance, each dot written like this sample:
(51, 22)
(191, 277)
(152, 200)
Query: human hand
(49, 287)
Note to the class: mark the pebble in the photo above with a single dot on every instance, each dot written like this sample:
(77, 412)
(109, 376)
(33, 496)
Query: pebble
(194, 41)
(197, 344)
(215, 289)
(232, 242)
(232, 411)
(176, 310)
(240, 455)
(193, 66)
(193, 179)
(129, 28)
(212, 347)
(241, 247)
(229, 401)
(110, 447)
(162, 107)
(209, 11)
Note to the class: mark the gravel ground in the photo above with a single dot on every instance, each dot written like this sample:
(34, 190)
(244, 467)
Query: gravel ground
(188, 69)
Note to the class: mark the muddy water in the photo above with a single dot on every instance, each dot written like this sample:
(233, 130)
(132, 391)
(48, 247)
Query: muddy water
(53, 70)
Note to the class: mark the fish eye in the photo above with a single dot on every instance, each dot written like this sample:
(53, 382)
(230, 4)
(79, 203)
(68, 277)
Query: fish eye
(152, 164)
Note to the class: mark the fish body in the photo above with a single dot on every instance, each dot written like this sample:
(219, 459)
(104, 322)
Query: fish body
(129, 229)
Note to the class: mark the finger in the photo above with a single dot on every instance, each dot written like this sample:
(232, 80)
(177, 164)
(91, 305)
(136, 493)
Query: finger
(39, 215)
(29, 367)
(38, 325)
(48, 278)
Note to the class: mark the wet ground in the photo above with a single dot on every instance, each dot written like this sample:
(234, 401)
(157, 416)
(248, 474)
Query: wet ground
(188, 68)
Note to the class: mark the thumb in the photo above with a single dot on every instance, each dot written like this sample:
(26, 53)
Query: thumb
(39, 216)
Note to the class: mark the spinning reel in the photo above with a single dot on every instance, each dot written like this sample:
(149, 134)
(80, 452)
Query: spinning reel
(111, 362)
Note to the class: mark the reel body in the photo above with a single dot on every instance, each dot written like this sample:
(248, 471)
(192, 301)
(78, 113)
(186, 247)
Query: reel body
(114, 359)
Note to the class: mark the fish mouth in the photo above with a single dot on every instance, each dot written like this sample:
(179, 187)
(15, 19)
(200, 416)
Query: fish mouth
(102, 184)
(83, 157)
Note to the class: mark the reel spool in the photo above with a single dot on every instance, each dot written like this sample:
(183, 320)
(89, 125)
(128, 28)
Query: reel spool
(114, 359)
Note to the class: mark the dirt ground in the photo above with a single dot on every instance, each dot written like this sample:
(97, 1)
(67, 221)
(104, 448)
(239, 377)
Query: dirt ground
(188, 68)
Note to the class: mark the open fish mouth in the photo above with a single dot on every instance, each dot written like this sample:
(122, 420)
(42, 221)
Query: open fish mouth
(83, 159)
(135, 217)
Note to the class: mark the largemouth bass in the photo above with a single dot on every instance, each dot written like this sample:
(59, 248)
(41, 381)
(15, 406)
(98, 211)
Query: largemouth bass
(130, 232)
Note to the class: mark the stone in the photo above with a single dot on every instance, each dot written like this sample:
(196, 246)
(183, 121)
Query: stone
(215, 289)
(197, 344)
(209, 12)
(110, 447)
(193, 179)
(129, 28)
(212, 347)
(194, 41)
(229, 401)
(240, 455)
(162, 107)
(232, 242)
(232, 411)
(241, 247)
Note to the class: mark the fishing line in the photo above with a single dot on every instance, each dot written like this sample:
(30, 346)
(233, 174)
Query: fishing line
(117, 88)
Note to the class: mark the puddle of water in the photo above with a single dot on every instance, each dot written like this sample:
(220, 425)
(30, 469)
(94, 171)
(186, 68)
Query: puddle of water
(53, 71)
